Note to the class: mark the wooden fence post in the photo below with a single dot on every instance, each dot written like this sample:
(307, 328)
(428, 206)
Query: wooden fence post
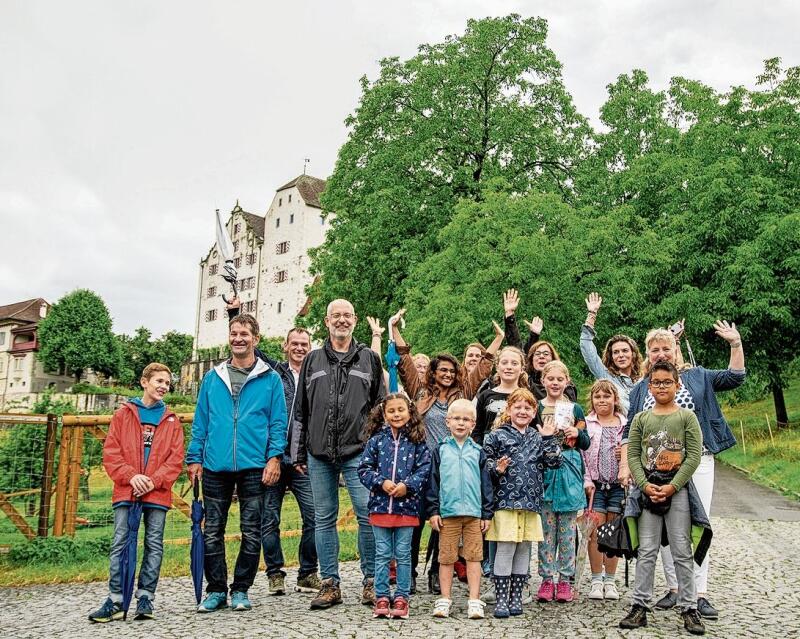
(61, 483)
(47, 474)
(75, 454)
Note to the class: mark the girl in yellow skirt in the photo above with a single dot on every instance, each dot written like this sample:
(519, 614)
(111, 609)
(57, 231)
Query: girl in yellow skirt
(514, 450)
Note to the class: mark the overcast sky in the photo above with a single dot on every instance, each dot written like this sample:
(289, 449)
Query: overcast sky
(124, 124)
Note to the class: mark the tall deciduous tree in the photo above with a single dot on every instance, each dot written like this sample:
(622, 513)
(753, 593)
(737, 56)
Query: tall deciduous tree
(76, 335)
(429, 131)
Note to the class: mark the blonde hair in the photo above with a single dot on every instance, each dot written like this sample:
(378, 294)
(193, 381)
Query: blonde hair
(555, 364)
(522, 380)
(605, 386)
(422, 356)
(519, 395)
(662, 335)
(463, 404)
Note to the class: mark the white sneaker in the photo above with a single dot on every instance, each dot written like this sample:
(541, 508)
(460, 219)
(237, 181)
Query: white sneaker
(596, 591)
(475, 609)
(488, 596)
(610, 590)
(441, 608)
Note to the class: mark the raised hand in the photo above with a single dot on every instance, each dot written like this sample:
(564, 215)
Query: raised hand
(535, 325)
(502, 464)
(498, 332)
(593, 302)
(510, 301)
(548, 426)
(727, 331)
(375, 325)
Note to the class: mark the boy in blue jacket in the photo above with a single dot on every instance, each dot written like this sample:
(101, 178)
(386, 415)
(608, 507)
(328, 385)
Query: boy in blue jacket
(238, 439)
(460, 501)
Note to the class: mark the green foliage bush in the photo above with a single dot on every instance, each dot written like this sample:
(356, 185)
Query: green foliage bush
(58, 550)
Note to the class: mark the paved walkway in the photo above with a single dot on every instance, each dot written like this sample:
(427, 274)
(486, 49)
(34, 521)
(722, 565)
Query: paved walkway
(754, 577)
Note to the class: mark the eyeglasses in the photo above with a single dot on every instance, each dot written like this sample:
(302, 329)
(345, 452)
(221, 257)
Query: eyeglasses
(542, 353)
(465, 420)
(662, 383)
(336, 316)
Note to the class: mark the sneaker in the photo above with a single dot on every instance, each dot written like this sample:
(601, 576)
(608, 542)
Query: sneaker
(475, 609)
(109, 611)
(399, 608)
(706, 610)
(636, 618)
(547, 591)
(240, 600)
(277, 584)
(669, 600)
(488, 596)
(692, 622)
(596, 591)
(441, 608)
(368, 593)
(144, 609)
(610, 590)
(213, 601)
(381, 610)
(329, 595)
(309, 583)
(564, 592)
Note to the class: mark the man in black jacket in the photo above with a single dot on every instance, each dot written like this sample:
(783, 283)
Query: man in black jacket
(339, 384)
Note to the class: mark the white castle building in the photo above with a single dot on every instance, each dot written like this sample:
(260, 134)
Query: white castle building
(271, 257)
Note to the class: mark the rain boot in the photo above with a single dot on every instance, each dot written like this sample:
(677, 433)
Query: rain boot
(515, 598)
(501, 588)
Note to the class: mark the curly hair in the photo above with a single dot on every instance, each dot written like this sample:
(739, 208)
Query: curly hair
(519, 395)
(636, 357)
(430, 376)
(522, 382)
(414, 428)
(605, 386)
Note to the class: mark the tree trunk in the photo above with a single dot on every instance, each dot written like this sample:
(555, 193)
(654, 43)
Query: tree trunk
(781, 415)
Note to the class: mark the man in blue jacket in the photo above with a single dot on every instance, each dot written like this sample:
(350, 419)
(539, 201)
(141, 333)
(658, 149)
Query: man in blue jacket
(238, 439)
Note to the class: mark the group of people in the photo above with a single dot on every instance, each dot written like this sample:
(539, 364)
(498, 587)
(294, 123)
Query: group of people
(490, 463)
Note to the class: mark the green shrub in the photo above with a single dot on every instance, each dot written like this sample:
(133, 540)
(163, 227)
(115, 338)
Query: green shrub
(58, 550)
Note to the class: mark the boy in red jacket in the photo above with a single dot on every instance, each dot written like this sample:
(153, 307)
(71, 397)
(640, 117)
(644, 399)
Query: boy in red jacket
(143, 455)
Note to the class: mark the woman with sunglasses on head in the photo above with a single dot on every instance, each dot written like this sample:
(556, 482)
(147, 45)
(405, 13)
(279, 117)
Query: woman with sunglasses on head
(446, 382)
(697, 392)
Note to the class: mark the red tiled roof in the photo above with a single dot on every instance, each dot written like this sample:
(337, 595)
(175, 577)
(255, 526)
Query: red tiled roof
(310, 189)
(27, 311)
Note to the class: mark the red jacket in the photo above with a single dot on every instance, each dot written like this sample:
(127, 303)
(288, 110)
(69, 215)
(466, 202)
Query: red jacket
(123, 455)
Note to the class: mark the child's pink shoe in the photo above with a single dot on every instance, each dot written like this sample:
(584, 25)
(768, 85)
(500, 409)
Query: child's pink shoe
(563, 592)
(546, 592)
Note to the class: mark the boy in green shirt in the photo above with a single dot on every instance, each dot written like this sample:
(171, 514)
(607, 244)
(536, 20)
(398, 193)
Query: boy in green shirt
(664, 448)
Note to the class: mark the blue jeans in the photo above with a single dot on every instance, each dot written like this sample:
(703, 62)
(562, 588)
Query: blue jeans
(300, 485)
(324, 476)
(153, 519)
(393, 543)
(217, 497)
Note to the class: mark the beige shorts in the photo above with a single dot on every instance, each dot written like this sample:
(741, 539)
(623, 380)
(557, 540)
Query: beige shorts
(453, 530)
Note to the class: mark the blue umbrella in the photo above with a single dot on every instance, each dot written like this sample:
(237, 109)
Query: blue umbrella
(198, 548)
(127, 563)
(392, 360)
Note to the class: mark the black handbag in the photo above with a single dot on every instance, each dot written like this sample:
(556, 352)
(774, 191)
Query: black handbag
(613, 538)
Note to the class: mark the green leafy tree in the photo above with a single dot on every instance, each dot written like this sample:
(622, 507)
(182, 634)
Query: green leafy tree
(173, 349)
(430, 131)
(272, 347)
(76, 335)
(137, 352)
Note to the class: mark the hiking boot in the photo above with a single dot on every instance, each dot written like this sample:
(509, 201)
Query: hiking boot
(240, 600)
(109, 611)
(596, 591)
(329, 595)
(399, 608)
(475, 609)
(670, 600)
(502, 587)
(381, 610)
(144, 609)
(564, 592)
(308, 583)
(368, 593)
(692, 622)
(547, 592)
(636, 618)
(277, 584)
(433, 583)
(441, 608)
(213, 601)
(706, 610)
(610, 590)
